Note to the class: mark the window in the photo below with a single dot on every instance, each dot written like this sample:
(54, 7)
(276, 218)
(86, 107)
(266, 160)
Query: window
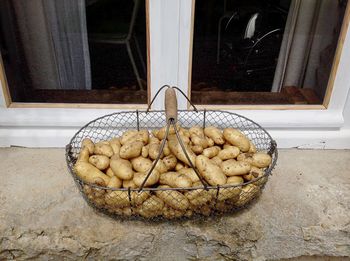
(264, 52)
(75, 51)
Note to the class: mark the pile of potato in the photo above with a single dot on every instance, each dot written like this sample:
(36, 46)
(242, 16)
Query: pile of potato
(225, 157)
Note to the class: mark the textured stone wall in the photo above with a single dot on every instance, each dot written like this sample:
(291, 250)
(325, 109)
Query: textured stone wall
(304, 211)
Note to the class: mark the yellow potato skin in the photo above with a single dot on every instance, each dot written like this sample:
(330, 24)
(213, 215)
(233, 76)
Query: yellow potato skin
(139, 177)
(90, 173)
(84, 155)
(237, 138)
(176, 149)
(141, 164)
(103, 148)
(99, 161)
(151, 207)
(129, 184)
(210, 171)
(230, 152)
(175, 180)
(189, 172)
(154, 150)
(215, 134)
(261, 160)
(126, 136)
(88, 144)
(170, 161)
(122, 168)
(196, 130)
(114, 182)
(131, 150)
(173, 198)
(232, 167)
(211, 152)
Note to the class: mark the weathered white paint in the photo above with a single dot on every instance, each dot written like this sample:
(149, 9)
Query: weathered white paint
(170, 39)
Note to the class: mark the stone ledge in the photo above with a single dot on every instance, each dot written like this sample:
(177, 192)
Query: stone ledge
(304, 211)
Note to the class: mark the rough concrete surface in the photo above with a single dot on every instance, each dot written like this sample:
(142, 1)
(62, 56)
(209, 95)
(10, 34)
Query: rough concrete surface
(304, 211)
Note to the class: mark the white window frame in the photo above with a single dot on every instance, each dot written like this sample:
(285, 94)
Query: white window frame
(170, 31)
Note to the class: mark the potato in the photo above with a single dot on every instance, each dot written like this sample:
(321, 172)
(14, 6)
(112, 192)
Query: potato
(144, 151)
(216, 160)
(248, 192)
(90, 173)
(252, 148)
(235, 180)
(141, 135)
(99, 161)
(237, 138)
(248, 177)
(209, 171)
(196, 130)
(199, 197)
(139, 177)
(114, 182)
(141, 164)
(261, 160)
(257, 173)
(101, 148)
(161, 133)
(185, 132)
(246, 157)
(110, 172)
(173, 198)
(84, 155)
(215, 134)
(161, 167)
(131, 150)
(122, 168)
(211, 152)
(179, 166)
(121, 199)
(229, 193)
(127, 136)
(197, 149)
(115, 144)
(199, 141)
(170, 161)
(171, 213)
(154, 151)
(232, 167)
(229, 152)
(189, 172)
(129, 184)
(153, 140)
(151, 207)
(175, 180)
(176, 149)
(166, 150)
(88, 144)
(210, 142)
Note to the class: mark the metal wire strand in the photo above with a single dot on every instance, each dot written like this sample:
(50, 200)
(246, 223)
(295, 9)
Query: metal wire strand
(161, 149)
(194, 107)
(187, 157)
(155, 96)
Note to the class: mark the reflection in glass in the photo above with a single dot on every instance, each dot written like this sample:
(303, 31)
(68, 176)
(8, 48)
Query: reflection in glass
(264, 52)
(89, 51)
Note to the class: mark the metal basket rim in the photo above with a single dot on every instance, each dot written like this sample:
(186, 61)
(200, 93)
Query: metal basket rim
(267, 171)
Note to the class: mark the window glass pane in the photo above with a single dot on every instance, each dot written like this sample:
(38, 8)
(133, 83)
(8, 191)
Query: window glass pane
(74, 51)
(264, 51)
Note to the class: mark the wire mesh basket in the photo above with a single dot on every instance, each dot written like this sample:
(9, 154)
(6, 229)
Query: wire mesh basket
(167, 202)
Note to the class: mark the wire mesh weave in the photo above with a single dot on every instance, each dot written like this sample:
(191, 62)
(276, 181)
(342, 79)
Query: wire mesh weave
(179, 202)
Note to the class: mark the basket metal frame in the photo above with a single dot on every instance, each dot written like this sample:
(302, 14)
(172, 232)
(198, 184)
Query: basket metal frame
(74, 144)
